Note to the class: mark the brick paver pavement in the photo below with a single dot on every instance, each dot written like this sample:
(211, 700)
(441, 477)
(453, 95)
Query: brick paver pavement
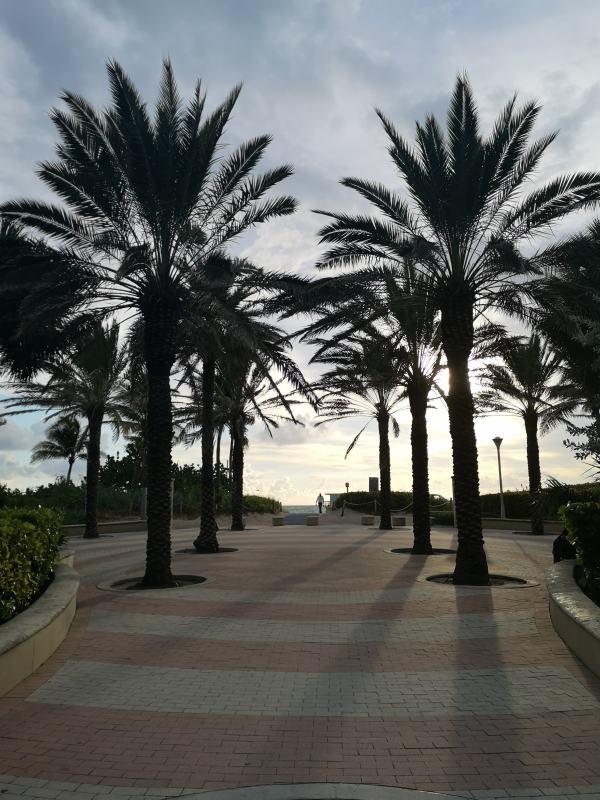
(310, 655)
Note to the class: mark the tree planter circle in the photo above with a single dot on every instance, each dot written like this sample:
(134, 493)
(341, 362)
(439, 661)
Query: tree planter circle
(436, 551)
(194, 552)
(496, 581)
(134, 584)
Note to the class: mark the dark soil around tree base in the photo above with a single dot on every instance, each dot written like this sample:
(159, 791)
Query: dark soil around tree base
(508, 581)
(136, 583)
(435, 551)
(193, 551)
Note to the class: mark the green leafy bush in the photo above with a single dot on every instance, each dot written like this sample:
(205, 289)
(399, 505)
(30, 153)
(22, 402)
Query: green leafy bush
(29, 542)
(555, 495)
(364, 501)
(442, 518)
(261, 505)
(583, 524)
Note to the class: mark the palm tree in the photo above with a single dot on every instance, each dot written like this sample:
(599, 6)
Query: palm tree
(529, 385)
(65, 439)
(464, 219)
(386, 295)
(149, 203)
(364, 381)
(248, 393)
(85, 382)
(239, 355)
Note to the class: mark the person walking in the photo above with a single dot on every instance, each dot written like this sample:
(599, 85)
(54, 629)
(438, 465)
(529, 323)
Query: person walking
(320, 501)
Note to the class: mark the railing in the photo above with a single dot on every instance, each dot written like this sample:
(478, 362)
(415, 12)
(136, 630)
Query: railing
(358, 506)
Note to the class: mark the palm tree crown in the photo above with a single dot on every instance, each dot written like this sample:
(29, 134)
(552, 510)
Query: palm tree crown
(65, 439)
(85, 381)
(364, 382)
(529, 385)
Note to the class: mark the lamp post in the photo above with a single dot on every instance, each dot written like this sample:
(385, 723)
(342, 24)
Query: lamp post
(498, 441)
(347, 487)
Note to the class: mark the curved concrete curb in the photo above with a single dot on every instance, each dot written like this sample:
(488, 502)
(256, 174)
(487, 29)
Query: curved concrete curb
(575, 617)
(319, 791)
(28, 640)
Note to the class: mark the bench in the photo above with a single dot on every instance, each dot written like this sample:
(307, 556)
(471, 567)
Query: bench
(399, 522)
(366, 519)
(312, 519)
(277, 521)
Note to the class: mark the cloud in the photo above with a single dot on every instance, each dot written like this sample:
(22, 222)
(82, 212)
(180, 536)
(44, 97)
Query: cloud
(313, 72)
(16, 437)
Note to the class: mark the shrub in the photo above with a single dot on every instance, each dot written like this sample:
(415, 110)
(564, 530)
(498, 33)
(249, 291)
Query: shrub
(443, 518)
(29, 542)
(261, 505)
(364, 501)
(583, 524)
(555, 495)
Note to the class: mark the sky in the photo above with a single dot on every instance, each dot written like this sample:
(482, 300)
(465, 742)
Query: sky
(313, 73)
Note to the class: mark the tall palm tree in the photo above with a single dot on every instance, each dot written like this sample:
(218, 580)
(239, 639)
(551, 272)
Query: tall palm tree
(84, 382)
(364, 381)
(464, 219)
(65, 439)
(248, 393)
(242, 387)
(148, 202)
(386, 295)
(529, 385)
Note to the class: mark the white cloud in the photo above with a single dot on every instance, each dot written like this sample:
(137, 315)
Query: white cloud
(313, 71)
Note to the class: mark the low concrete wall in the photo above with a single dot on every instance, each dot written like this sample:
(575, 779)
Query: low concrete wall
(121, 526)
(575, 617)
(550, 526)
(28, 640)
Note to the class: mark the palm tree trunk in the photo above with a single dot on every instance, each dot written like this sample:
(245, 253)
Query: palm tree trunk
(92, 473)
(383, 423)
(160, 325)
(457, 340)
(535, 475)
(71, 462)
(237, 473)
(206, 541)
(218, 468)
(420, 471)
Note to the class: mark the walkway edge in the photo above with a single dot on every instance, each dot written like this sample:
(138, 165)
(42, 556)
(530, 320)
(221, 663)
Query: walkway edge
(322, 791)
(28, 640)
(575, 617)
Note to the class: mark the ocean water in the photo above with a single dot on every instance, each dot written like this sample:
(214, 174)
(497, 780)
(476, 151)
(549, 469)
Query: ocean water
(300, 509)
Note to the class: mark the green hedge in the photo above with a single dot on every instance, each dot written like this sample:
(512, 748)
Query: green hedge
(29, 542)
(364, 500)
(518, 504)
(443, 518)
(113, 503)
(261, 505)
(583, 523)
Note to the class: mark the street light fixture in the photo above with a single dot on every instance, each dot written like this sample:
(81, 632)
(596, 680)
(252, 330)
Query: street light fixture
(498, 441)
(347, 487)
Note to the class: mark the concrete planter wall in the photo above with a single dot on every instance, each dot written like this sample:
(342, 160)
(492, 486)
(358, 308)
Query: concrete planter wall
(121, 526)
(495, 523)
(575, 617)
(28, 640)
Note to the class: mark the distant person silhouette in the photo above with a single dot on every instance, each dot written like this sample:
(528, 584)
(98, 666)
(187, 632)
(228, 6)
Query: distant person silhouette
(320, 501)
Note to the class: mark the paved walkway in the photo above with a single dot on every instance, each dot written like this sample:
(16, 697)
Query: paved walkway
(310, 655)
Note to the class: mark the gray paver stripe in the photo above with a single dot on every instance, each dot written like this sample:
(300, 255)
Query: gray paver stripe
(361, 694)
(442, 628)
(12, 786)
(205, 592)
